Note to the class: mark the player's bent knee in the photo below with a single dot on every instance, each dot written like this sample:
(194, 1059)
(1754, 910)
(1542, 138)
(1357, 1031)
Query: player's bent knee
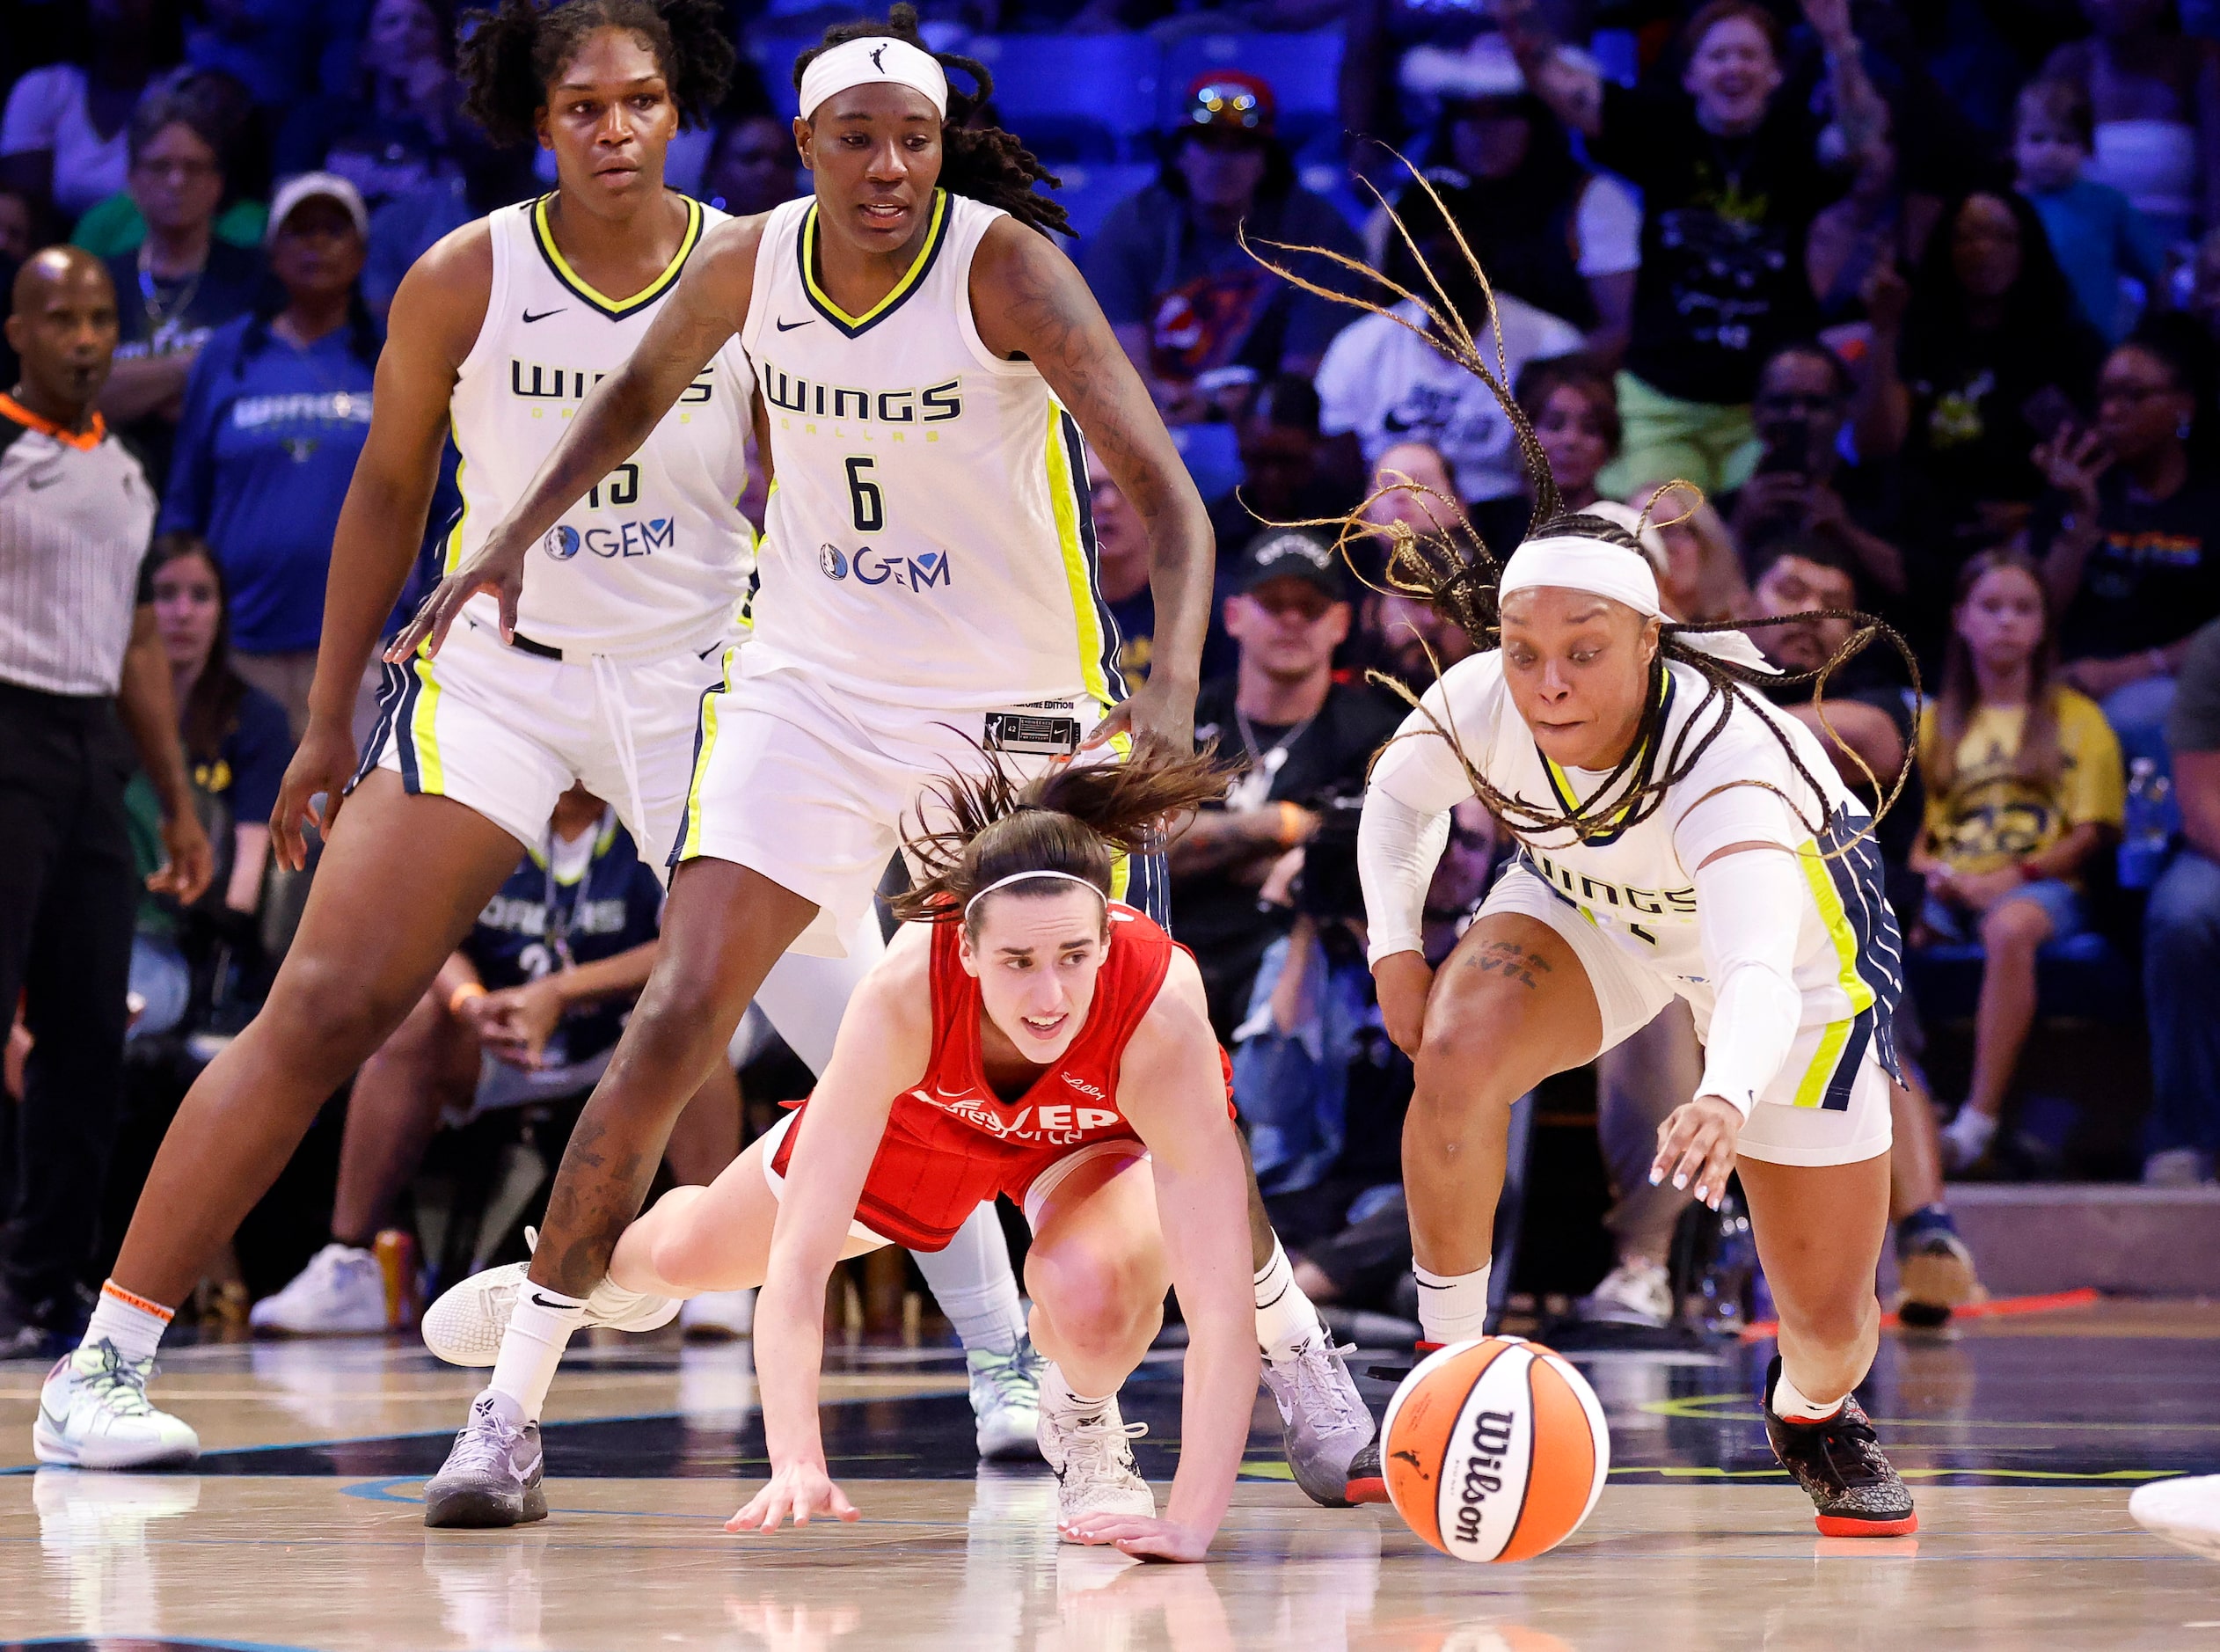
(1102, 1302)
(328, 1013)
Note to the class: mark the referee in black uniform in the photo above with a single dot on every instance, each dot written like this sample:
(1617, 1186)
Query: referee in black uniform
(77, 648)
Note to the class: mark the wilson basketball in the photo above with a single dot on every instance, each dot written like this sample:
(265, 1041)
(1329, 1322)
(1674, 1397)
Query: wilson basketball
(1494, 1449)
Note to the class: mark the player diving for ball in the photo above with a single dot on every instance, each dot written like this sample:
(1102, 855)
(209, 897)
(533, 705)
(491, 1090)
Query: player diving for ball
(1026, 1034)
(1678, 836)
(927, 361)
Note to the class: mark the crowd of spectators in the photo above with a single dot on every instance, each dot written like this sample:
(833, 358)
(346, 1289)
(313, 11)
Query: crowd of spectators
(1907, 310)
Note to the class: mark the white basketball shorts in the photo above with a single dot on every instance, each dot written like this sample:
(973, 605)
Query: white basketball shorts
(815, 791)
(1629, 996)
(504, 730)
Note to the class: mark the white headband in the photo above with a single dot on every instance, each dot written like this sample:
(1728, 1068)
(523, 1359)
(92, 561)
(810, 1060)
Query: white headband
(1022, 877)
(873, 60)
(1580, 564)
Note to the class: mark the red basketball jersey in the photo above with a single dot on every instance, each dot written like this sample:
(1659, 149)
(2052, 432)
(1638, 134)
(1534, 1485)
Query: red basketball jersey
(952, 1141)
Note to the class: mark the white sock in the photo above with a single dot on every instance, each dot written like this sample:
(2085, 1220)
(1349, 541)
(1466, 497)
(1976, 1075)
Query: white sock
(1792, 1405)
(1287, 1323)
(131, 1324)
(1453, 1307)
(539, 1328)
(1058, 1394)
(973, 1283)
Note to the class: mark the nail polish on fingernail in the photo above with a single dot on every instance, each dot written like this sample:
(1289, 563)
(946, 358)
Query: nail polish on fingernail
(1680, 1181)
(1655, 1176)
(1702, 1193)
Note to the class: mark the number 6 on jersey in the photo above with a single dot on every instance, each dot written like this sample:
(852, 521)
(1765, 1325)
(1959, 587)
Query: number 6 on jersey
(868, 505)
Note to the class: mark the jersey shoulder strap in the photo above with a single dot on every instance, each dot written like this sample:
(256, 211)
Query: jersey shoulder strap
(774, 261)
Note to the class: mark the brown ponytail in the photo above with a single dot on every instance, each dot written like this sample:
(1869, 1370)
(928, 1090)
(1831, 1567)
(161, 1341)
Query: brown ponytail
(1074, 819)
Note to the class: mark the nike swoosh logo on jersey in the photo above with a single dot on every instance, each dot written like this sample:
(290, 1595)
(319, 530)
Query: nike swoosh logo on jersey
(39, 483)
(530, 318)
(788, 326)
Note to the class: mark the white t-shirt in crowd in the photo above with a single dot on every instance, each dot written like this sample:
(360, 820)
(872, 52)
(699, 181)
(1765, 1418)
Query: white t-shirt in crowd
(1387, 385)
(47, 111)
(1609, 225)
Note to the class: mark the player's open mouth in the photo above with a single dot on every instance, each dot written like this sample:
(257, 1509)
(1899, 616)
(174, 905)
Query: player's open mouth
(885, 212)
(1045, 1026)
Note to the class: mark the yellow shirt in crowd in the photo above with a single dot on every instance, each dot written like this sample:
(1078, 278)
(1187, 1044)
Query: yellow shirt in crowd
(1990, 818)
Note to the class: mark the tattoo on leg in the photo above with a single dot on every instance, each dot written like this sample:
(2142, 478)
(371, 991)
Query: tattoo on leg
(1509, 960)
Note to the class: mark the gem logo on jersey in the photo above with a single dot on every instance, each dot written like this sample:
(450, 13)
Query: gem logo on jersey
(612, 541)
(908, 573)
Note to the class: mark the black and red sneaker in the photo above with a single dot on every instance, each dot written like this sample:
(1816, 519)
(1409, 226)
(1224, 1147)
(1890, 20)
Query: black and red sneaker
(1840, 1465)
(1367, 1481)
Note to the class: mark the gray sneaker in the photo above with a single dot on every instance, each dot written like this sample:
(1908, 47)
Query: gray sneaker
(493, 1474)
(1322, 1418)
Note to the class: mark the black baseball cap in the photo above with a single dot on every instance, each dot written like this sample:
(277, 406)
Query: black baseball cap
(1292, 553)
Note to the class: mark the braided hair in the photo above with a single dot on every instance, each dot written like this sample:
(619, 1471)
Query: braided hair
(1071, 821)
(982, 163)
(509, 57)
(1453, 570)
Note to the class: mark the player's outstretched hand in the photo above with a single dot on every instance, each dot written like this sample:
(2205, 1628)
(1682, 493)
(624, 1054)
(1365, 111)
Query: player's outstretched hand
(320, 767)
(498, 566)
(1695, 1144)
(1145, 1540)
(795, 1493)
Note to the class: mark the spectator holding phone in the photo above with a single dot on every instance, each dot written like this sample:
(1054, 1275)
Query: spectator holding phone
(2130, 536)
(1804, 487)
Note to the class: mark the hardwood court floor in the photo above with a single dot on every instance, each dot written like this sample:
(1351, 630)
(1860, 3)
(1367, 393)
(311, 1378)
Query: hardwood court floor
(302, 1527)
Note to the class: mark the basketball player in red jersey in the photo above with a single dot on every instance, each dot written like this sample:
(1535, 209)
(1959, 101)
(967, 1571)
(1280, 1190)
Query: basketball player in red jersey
(1024, 1035)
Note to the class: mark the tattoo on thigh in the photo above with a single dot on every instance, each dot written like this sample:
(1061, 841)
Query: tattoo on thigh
(1509, 960)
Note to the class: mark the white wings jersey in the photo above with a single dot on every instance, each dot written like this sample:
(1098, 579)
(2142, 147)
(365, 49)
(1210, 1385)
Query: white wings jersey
(655, 556)
(1638, 885)
(928, 540)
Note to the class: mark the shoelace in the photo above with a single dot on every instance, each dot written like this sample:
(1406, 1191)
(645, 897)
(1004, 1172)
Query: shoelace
(1850, 1435)
(1101, 1446)
(485, 1442)
(1313, 1385)
(121, 1384)
(1013, 1376)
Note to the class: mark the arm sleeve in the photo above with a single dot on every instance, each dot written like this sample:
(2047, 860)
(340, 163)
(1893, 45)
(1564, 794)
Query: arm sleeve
(1609, 226)
(1750, 951)
(1736, 815)
(1398, 848)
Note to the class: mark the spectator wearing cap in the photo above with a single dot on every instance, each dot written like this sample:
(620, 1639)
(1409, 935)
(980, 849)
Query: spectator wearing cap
(1384, 382)
(1303, 739)
(1731, 177)
(78, 645)
(183, 281)
(1189, 303)
(1545, 229)
(276, 415)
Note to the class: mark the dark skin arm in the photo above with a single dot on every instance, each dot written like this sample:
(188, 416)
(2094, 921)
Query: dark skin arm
(709, 306)
(436, 316)
(150, 718)
(1031, 301)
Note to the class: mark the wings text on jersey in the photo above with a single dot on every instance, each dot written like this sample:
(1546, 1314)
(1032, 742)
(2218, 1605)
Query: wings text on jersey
(535, 380)
(930, 403)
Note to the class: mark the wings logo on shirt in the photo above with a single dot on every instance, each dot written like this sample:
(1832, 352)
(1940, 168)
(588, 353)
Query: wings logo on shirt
(1055, 1125)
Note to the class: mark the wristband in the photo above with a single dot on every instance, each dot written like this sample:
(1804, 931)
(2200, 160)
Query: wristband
(462, 994)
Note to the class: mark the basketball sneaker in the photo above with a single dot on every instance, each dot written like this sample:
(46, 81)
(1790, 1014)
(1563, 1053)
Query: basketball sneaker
(342, 1291)
(1935, 1271)
(2185, 1510)
(1638, 1291)
(1840, 1465)
(1323, 1419)
(492, 1477)
(718, 1316)
(1005, 1399)
(1091, 1453)
(93, 1413)
(465, 1326)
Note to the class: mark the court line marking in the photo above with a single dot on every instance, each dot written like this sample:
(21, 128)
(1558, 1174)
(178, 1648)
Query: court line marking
(1996, 1307)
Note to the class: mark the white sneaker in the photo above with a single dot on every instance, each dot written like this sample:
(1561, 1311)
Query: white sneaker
(2176, 1167)
(465, 1326)
(1091, 1453)
(93, 1413)
(1638, 1291)
(2185, 1511)
(717, 1316)
(341, 1291)
(1966, 1138)
(1005, 1399)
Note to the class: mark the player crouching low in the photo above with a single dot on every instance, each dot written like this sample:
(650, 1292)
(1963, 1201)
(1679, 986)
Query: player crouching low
(1024, 1034)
